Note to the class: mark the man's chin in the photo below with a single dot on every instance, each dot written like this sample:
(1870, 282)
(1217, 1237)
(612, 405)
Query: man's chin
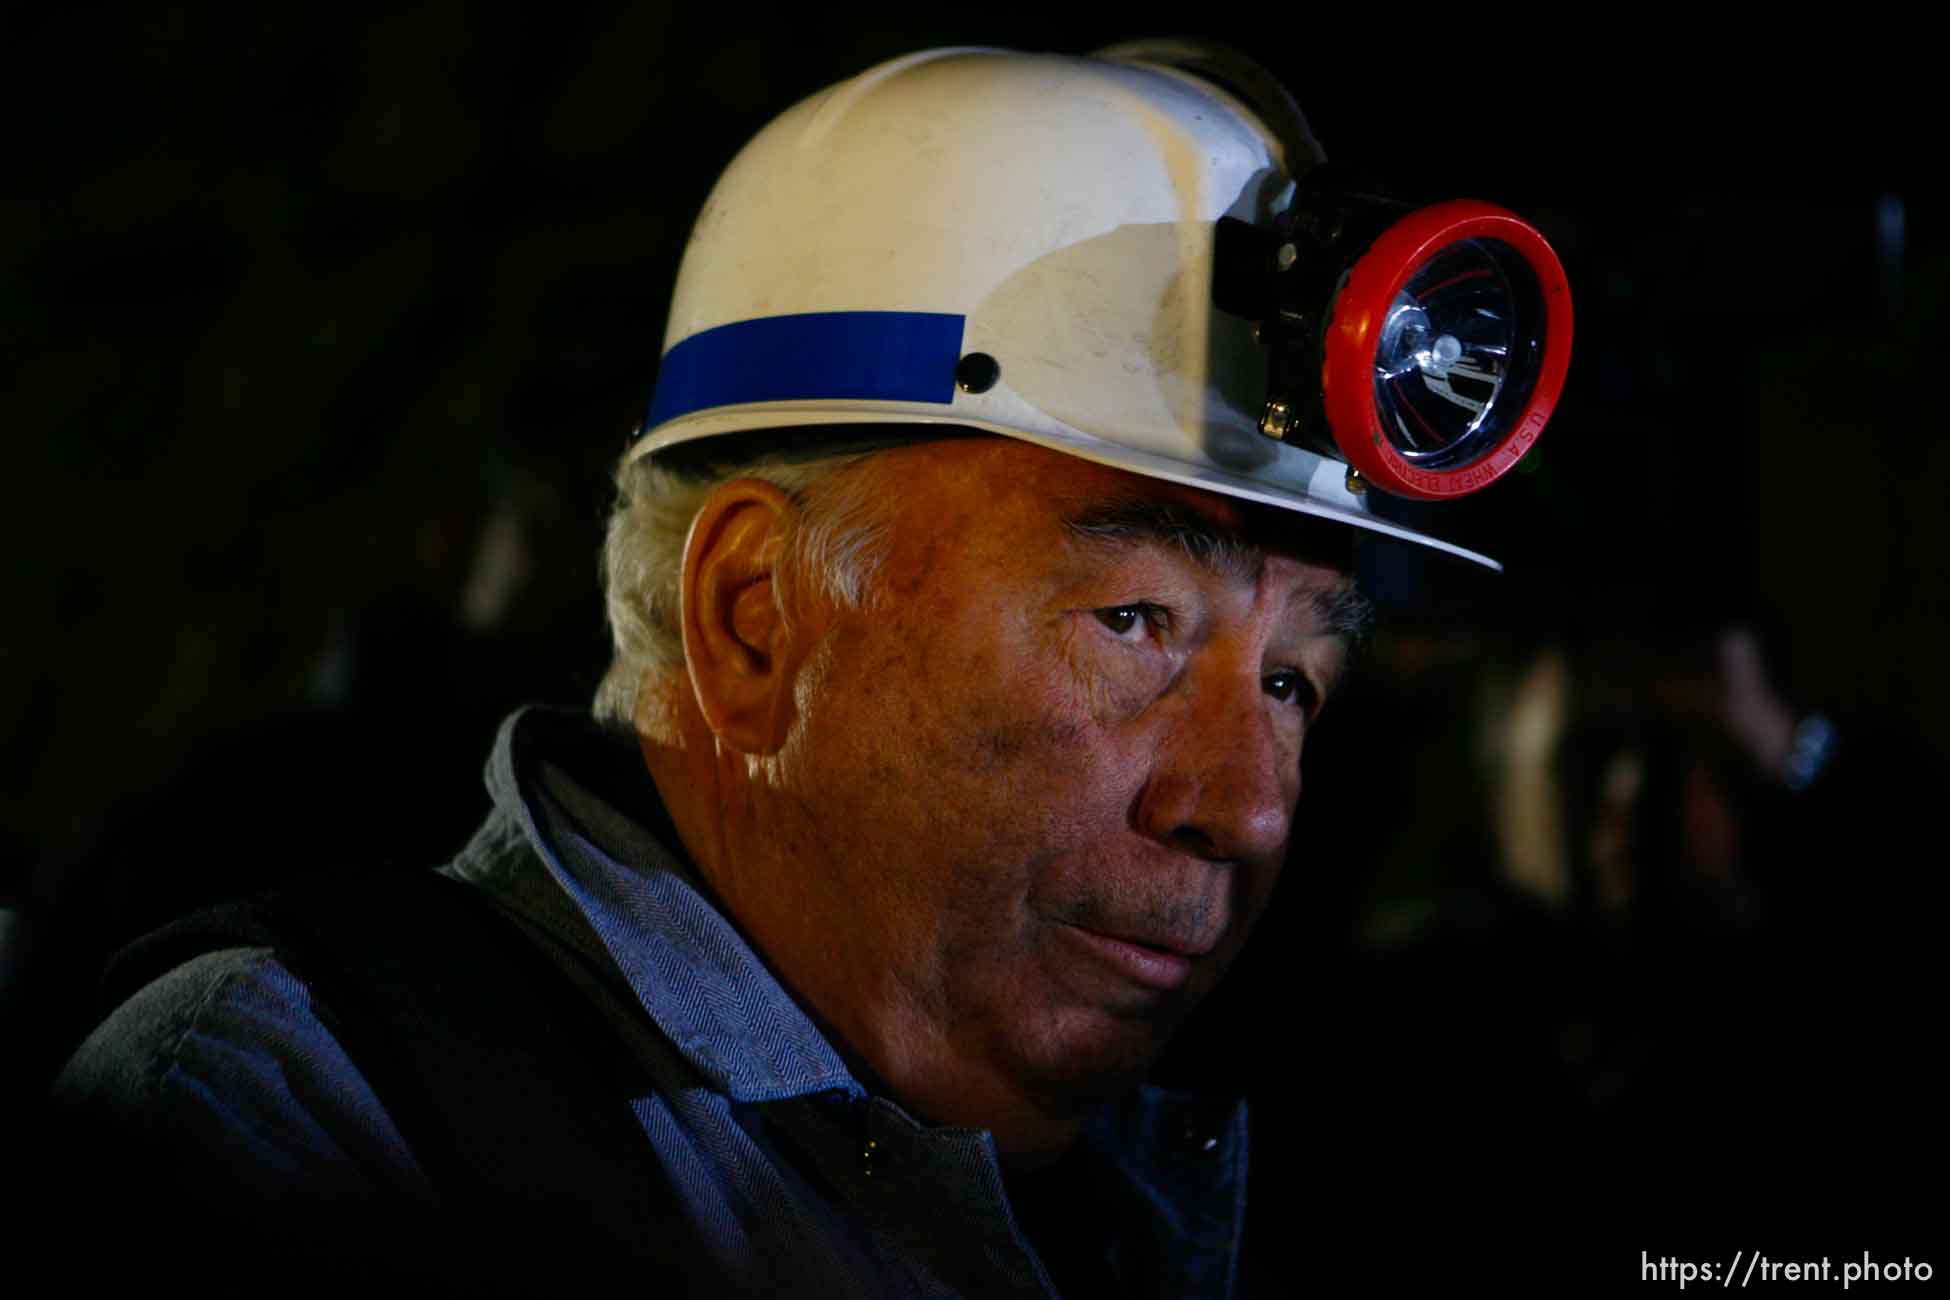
(1094, 1059)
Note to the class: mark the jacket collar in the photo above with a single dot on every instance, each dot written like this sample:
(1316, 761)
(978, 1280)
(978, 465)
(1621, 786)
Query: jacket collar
(582, 801)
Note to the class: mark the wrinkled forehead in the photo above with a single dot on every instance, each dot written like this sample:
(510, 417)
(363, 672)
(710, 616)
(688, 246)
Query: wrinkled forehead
(923, 472)
(1111, 502)
(1229, 535)
(1226, 535)
(1020, 504)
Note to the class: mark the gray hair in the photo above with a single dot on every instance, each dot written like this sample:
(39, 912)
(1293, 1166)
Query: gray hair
(836, 545)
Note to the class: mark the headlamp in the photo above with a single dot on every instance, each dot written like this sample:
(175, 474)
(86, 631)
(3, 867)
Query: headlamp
(1426, 347)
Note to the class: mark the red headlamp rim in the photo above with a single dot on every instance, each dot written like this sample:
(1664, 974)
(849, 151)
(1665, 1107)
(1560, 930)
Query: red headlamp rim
(1346, 371)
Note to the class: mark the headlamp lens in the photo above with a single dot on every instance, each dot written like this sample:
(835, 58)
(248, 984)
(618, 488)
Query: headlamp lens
(1459, 354)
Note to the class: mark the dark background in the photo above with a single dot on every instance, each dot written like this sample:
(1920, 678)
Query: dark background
(324, 327)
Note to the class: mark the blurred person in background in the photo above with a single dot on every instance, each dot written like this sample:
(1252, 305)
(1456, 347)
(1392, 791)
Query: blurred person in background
(1687, 921)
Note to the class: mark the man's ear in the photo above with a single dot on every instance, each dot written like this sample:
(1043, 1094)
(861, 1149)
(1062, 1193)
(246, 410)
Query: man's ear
(738, 644)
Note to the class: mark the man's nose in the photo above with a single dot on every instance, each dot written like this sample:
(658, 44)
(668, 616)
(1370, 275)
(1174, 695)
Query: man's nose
(1224, 780)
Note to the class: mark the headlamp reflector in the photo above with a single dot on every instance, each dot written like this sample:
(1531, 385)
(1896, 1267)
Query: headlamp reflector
(1458, 355)
(1446, 350)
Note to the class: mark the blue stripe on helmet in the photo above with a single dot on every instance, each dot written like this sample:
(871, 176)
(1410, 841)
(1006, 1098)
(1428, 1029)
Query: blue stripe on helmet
(896, 356)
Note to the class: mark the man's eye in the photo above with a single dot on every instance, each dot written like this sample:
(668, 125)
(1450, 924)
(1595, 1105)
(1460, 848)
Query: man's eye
(1124, 620)
(1291, 688)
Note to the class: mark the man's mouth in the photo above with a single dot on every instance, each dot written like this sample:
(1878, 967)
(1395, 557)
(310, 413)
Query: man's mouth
(1164, 965)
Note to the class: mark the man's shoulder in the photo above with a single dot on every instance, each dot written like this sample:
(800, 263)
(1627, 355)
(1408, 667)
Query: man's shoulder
(173, 1017)
(229, 1053)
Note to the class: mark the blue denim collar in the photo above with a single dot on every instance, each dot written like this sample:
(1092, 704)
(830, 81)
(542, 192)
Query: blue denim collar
(582, 801)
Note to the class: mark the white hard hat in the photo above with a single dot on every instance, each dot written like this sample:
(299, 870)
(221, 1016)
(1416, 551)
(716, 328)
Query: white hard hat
(1020, 244)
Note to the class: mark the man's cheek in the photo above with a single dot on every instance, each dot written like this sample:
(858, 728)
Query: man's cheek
(1027, 716)
(1038, 751)
(1042, 784)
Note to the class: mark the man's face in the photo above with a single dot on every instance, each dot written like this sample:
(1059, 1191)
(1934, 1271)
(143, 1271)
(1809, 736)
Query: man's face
(1040, 788)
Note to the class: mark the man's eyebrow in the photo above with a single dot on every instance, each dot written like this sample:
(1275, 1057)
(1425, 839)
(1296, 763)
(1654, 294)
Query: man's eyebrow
(1344, 612)
(1203, 540)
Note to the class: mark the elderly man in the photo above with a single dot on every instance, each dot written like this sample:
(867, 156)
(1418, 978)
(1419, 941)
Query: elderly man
(969, 626)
